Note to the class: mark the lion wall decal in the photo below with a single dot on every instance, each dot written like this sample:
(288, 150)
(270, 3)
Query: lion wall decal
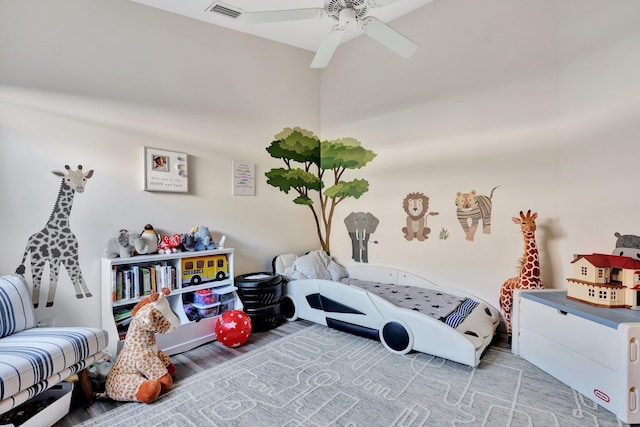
(416, 206)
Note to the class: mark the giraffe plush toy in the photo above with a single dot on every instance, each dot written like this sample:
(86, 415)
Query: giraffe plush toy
(56, 243)
(141, 372)
(529, 277)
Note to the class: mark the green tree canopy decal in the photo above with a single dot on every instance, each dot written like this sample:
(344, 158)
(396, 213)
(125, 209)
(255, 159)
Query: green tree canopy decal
(307, 160)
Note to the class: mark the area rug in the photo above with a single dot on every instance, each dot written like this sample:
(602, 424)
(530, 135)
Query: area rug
(323, 377)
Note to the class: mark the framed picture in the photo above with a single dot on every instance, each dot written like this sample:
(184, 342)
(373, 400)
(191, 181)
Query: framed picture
(243, 179)
(165, 170)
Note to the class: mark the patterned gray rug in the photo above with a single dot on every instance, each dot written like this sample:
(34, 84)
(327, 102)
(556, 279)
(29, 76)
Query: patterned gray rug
(323, 377)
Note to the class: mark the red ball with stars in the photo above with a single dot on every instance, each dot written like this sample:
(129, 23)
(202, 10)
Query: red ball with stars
(233, 328)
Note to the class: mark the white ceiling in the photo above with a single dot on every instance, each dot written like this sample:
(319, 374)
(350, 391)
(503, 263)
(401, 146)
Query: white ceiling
(305, 34)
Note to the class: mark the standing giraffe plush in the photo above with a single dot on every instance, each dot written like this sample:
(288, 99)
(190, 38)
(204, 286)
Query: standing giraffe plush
(56, 243)
(529, 277)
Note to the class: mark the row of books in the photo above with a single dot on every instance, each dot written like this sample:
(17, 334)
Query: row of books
(137, 281)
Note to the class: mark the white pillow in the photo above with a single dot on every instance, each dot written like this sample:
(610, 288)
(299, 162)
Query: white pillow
(337, 271)
(311, 266)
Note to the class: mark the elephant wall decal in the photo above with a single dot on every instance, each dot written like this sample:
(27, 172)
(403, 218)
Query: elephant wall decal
(360, 225)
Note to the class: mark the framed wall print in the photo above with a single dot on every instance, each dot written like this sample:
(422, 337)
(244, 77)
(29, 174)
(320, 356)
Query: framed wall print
(165, 170)
(243, 179)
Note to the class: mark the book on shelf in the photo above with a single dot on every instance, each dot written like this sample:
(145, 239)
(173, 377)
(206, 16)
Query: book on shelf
(146, 280)
(136, 281)
(127, 284)
(124, 322)
(152, 275)
(122, 313)
(114, 286)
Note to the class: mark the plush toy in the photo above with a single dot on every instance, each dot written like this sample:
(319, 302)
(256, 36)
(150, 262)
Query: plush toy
(170, 244)
(125, 244)
(188, 242)
(151, 238)
(141, 372)
(198, 239)
(627, 245)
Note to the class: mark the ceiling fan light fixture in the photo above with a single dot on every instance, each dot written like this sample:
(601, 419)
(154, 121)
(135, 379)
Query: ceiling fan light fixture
(347, 17)
(346, 13)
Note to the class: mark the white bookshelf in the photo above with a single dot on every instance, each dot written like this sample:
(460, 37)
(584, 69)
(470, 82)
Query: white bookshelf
(191, 333)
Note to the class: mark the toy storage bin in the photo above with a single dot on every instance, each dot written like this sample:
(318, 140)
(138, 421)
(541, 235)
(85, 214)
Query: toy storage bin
(224, 297)
(204, 297)
(594, 350)
(207, 310)
(45, 409)
(226, 306)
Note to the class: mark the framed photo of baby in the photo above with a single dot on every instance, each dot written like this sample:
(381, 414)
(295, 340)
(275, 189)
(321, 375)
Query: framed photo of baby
(165, 170)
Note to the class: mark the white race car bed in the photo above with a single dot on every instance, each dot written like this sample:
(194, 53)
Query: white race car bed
(405, 312)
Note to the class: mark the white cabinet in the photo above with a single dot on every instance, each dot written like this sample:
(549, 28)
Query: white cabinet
(594, 350)
(201, 286)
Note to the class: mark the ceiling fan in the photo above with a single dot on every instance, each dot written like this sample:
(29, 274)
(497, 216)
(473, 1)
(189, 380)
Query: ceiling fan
(347, 13)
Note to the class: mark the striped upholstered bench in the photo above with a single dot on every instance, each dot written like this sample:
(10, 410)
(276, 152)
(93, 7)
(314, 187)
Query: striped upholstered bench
(34, 359)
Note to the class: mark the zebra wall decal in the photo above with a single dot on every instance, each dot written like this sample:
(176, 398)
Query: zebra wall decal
(475, 208)
(56, 243)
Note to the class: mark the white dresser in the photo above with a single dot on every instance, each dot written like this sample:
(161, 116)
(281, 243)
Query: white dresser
(594, 350)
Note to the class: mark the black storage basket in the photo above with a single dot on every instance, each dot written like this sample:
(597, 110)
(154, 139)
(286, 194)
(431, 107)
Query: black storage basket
(260, 294)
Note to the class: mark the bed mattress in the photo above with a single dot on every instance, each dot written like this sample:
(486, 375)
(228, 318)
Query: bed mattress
(450, 309)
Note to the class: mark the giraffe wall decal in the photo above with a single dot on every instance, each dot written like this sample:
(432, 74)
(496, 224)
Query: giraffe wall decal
(56, 243)
(529, 277)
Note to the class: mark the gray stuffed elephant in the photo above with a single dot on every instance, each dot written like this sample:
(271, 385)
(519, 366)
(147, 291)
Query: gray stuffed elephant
(125, 244)
(360, 225)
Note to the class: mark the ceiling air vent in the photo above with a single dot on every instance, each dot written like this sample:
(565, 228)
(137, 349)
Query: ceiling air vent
(224, 10)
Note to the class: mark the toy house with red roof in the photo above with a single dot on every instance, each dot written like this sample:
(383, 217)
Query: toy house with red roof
(605, 280)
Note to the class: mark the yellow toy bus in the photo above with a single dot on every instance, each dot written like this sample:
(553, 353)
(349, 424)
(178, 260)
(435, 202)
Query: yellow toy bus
(204, 269)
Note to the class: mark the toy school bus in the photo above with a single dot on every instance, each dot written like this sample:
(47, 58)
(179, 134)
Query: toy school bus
(204, 269)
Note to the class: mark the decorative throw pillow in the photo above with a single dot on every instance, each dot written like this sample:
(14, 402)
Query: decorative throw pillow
(16, 309)
(311, 266)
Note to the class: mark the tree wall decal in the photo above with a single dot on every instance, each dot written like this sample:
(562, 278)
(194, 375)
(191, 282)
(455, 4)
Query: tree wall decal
(312, 165)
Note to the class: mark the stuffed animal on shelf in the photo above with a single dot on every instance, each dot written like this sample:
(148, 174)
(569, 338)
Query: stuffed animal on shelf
(188, 242)
(627, 245)
(141, 372)
(125, 244)
(170, 244)
(198, 239)
(151, 238)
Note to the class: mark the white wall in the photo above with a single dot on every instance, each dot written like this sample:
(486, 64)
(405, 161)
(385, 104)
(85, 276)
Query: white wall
(539, 98)
(91, 83)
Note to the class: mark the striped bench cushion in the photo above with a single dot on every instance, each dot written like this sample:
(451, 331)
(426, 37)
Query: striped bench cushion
(34, 355)
(16, 308)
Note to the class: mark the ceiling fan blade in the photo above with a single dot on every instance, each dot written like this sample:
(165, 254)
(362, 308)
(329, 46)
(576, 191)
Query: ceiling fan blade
(328, 45)
(281, 15)
(388, 37)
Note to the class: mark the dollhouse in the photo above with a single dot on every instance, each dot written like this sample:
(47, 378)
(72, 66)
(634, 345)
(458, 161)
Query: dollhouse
(605, 280)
